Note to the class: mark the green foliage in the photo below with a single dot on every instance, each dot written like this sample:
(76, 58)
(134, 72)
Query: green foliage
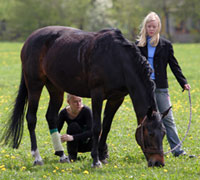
(18, 18)
(98, 15)
(29, 15)
(128, 15)
(126, 159)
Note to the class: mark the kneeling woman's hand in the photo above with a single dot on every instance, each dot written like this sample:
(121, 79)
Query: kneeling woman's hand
(66, 137)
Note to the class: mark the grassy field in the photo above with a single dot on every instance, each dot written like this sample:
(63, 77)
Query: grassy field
(126, 158)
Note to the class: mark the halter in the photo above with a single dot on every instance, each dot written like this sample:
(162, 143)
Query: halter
(153, 151)
(147, 150)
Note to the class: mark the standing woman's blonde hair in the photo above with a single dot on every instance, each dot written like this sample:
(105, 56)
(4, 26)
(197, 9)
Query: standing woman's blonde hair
(142, 38)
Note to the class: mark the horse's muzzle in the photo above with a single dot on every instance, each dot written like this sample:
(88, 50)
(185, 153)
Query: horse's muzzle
(155, 163)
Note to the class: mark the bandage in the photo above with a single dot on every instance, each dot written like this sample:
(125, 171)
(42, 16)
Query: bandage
(55, 136)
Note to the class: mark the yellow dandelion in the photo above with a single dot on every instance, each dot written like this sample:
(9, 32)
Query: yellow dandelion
(23, 168)
(62, 170)
(57, 168)
(165, 170)
(85, 172)
(54, 171)
(12, 157)
(44, 176)
(2, 166)
(115, 166)
(3, 151)
(142, 175)
(3, 169)
(7, 155)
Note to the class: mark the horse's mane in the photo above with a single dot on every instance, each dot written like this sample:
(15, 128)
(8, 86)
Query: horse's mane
(143, 68)
(144, 71)
(105, 39)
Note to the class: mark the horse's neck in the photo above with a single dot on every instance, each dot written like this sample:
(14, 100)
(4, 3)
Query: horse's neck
(139, 88)
(140, 102)
(140, 97)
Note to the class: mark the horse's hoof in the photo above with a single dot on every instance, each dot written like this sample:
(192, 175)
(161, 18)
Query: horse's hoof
(66, 160)
(40, 163)
(104, 161)
(97, 165)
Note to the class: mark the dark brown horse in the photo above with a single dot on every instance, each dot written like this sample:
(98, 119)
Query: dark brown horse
(98, 65)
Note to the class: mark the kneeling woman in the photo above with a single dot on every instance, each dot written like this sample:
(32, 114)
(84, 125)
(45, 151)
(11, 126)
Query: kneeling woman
(79, 131)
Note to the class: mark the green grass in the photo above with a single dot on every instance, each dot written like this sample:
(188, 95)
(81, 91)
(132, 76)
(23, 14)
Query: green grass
(126, 159)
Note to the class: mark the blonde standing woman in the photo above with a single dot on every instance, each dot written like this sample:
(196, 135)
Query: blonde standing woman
(159, 53)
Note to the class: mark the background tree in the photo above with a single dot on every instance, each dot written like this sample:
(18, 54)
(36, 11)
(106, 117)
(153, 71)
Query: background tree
(127, 16)
(5, 7)
(187, 17)
(18, 18)
(98, 15)
(29, 15)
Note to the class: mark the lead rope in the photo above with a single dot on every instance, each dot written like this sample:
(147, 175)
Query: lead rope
(187, 128)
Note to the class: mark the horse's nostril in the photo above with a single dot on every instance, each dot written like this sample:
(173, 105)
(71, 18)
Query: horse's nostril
(159, 164)
(150, 164)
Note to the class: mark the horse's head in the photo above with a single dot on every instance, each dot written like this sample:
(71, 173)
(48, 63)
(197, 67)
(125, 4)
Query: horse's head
(149, 136)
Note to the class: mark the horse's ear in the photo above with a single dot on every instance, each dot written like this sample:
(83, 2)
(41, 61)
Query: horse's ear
(165, 113)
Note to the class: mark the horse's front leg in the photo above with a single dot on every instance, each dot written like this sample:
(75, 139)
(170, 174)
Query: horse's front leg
(97, 101)
(112, 106)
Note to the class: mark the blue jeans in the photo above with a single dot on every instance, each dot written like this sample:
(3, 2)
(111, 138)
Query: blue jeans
(163, 101)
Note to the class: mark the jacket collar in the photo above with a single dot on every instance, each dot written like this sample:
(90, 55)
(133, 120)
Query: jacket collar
(158, 48)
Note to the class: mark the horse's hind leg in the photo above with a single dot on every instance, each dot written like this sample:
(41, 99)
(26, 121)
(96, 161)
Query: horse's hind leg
(56, 99)
(97, 101)
(34, 92)
(109, 112)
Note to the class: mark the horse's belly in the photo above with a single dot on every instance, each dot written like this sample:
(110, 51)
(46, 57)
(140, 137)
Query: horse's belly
(69, 78)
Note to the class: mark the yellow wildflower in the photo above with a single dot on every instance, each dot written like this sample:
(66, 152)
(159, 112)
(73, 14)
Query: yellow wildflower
(12, 157)
(2, 166)
(23, 168)
(85, 172)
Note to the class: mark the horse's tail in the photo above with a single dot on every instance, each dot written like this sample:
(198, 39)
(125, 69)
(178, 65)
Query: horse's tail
(13, 131)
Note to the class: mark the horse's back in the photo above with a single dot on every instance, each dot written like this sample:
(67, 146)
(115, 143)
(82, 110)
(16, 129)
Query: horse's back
(74, 60)
(53, 53)
(46, 36)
